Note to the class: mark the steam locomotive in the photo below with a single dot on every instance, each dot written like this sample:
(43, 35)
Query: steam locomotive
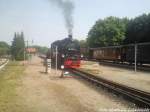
(65, 52)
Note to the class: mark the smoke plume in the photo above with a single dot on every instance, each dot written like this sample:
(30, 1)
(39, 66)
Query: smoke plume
(67, 8)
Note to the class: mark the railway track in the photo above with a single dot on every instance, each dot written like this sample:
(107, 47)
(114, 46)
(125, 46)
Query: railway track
(123, 65)
(3, 64)
(138, 97)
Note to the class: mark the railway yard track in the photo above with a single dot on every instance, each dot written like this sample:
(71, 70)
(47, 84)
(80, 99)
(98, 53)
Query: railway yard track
(138, 97)
(123, 65)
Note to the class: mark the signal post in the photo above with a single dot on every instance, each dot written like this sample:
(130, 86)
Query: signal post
(48, 65)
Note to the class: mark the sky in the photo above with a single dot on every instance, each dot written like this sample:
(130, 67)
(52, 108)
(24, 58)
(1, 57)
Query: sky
(43, 22)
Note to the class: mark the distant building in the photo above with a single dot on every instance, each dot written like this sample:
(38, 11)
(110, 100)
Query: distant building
(31, 50)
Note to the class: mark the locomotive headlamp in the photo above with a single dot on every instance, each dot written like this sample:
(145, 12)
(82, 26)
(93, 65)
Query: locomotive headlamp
(62, 67)
(62, 55)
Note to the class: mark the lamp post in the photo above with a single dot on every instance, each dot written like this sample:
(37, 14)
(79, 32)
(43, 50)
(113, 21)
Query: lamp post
(56, 60)
(24, 55)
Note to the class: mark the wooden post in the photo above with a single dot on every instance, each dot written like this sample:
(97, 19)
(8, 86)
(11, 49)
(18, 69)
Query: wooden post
(24, 55)
(46, 66)
(62, 71)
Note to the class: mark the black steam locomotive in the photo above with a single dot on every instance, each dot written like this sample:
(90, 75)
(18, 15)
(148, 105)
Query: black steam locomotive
(68, 53)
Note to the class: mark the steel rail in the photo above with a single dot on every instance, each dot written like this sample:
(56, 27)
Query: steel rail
(122, 65)
(139, 97)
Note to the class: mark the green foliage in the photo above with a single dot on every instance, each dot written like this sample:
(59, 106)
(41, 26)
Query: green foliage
(83, 44)
(18, 46)
(4, 48)
(84, 48)
(138, 29)
(116, 31)
(75, 44)
(107, 32)
(4, 44)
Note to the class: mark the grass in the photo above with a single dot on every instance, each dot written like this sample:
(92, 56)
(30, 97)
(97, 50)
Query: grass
(9, 82)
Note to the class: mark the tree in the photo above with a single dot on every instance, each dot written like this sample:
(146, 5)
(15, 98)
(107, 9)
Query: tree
(83, 44)
(4, 48)
(18, 46)
(138, 30)
(75, 44)
(107, 32)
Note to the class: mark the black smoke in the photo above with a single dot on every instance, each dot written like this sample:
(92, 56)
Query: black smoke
(67, 8)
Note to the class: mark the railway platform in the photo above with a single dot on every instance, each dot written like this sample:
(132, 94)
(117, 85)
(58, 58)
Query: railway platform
(138, 80)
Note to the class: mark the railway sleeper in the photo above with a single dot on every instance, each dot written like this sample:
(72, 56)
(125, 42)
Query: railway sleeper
(138, 100)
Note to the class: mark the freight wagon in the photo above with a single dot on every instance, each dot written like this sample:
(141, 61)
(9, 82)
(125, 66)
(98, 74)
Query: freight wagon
(124, 53)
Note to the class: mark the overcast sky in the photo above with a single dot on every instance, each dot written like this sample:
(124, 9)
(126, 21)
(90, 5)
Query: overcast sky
(43, 22)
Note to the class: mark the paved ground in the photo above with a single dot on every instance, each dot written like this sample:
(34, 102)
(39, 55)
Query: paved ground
(48, 93)
(139, 80)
